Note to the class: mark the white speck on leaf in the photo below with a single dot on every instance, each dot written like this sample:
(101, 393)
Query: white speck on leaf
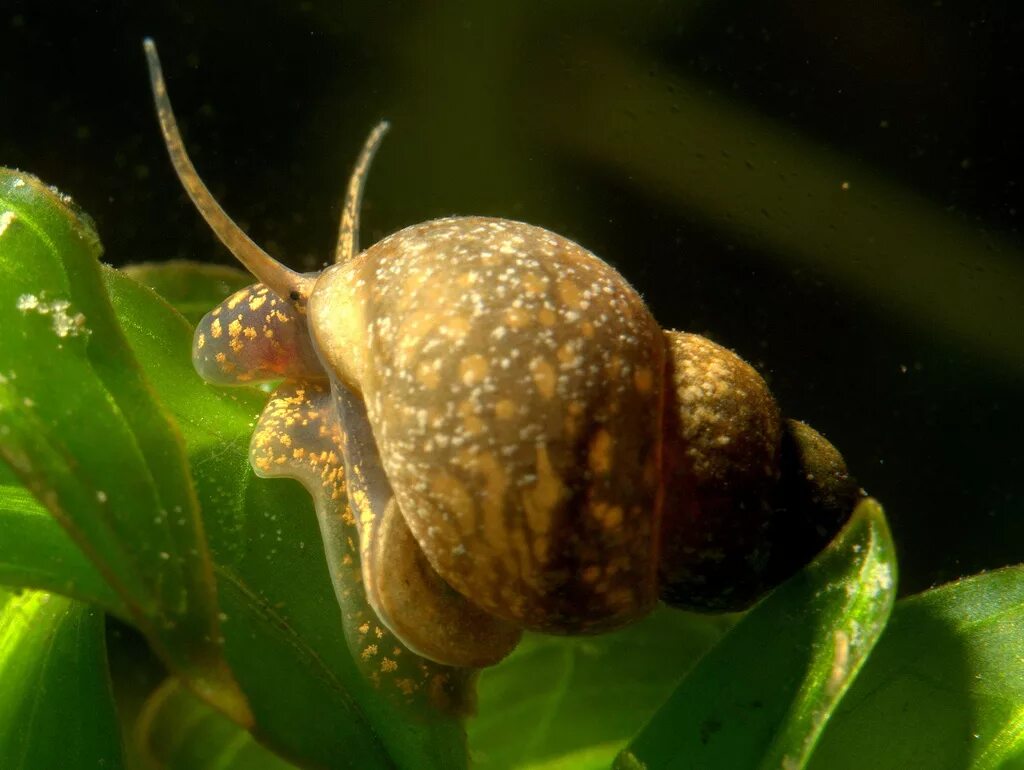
(28, 302)
(64, 323)
(840, 662)
(880, 578)
(5, 220)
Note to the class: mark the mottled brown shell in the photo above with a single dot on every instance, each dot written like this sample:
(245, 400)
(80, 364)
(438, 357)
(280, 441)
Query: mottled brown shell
(513, 382)
(723, 432)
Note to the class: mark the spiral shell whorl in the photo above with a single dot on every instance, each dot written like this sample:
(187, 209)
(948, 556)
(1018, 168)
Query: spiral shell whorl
(723, 433)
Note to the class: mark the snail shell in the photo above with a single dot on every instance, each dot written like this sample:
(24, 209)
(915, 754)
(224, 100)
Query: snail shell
(494, 415)
(504, 371)
(723, 436)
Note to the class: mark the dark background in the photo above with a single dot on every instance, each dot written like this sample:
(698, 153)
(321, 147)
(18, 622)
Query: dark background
(831, 189)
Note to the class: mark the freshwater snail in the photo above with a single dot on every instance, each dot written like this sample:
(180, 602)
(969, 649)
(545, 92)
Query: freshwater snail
(517, 442)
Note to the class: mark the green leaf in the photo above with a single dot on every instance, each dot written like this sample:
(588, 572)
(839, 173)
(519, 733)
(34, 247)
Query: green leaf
(7, 477)
(944, 689)
(82, 430)
(575, 702)
(192, 288)
(284, 645)
(40, 555)
(56, 705)
(177, 731)
(283, 631)
(762, 696)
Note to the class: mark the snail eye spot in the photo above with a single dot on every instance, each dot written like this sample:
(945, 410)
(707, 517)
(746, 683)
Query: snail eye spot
(294, 296)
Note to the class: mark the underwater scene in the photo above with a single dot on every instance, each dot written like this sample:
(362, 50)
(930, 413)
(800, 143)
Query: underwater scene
(543, 386)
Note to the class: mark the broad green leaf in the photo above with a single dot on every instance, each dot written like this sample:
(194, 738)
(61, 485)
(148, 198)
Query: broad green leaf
(192, 288)
(762, 696)
(81, 428)
(177, 731)
(56, 706)
(283, 631)
(283, 643)
(37, 554)
(575, 702)
(944, 688)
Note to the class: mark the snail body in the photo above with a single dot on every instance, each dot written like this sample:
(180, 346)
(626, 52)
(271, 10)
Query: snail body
(493, 413)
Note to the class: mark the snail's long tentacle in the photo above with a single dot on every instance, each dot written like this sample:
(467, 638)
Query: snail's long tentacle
(282, 281)
(348, 232)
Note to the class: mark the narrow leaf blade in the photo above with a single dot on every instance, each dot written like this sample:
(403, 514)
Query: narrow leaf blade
(762, 696)
(944, 689)
(191, 288)
(177, 731)
(56, 704)
(84, 433)
(34, 553)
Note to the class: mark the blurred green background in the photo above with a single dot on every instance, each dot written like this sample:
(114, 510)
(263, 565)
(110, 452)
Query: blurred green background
(831, 189)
